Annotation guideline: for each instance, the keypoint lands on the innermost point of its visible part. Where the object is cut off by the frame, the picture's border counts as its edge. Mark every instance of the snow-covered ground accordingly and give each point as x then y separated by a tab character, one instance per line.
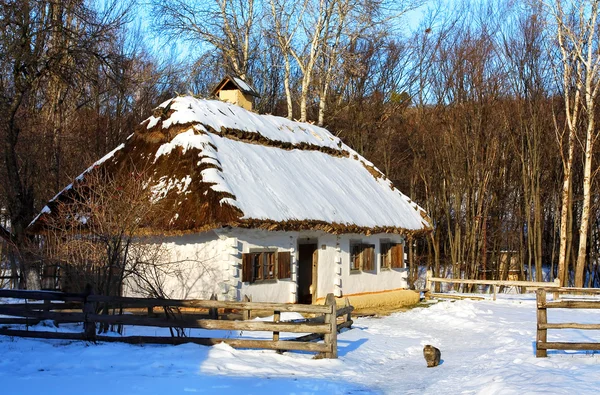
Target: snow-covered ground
487	348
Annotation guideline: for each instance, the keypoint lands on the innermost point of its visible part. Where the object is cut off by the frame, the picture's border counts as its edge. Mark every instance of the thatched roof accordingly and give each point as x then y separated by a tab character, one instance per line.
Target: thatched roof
212	164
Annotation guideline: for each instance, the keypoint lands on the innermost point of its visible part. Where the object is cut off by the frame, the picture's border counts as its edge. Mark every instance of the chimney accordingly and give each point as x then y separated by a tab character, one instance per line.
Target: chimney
236	91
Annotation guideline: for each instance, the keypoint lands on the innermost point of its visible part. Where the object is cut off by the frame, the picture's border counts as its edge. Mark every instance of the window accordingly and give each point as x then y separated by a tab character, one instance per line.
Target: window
362	256
392	255
266	265
355	251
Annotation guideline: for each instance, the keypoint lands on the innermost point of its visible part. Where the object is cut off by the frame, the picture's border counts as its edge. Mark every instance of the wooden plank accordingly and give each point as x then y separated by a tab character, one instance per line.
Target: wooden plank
46	306
210	324
344	310
345	324
41	295
236	343
592	291
455	296
570	325
496	282
44	315
569	346
42	335
573	304
19	321
261	306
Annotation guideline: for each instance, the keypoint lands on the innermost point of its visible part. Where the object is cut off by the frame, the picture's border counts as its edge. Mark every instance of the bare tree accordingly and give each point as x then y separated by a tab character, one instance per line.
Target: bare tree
227	26
45	46
578	42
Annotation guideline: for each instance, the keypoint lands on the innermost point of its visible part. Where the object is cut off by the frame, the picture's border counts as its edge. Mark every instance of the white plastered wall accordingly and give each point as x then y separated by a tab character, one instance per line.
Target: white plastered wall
192	266
198	265
334	267
249	240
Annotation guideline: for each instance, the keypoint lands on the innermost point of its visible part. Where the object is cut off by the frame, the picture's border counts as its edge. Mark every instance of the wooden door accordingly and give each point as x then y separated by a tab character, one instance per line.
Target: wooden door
306	272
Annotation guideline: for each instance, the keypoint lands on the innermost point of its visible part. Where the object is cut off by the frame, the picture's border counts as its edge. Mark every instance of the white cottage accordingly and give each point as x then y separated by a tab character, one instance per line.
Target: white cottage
262	206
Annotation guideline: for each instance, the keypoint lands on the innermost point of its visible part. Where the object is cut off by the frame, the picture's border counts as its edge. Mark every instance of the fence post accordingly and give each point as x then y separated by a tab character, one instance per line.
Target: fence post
428	283
494	290
276	318
246	314
542	319
556	294
331	319
89	326
213	313
349	315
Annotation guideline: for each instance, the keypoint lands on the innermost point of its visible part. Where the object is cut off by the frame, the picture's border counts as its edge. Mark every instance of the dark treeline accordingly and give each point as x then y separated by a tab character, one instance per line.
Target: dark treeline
482	112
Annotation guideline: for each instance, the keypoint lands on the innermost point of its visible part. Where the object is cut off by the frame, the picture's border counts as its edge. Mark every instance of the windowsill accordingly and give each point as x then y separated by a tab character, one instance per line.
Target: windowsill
355	271
385	269
269	281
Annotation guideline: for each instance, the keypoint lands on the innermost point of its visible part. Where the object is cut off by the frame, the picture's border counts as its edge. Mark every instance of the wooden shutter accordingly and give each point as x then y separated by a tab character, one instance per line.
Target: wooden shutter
368	259
284	263
397	256
247	268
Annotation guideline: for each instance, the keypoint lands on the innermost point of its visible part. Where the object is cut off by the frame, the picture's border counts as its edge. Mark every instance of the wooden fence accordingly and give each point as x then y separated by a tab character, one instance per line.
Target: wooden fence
177	315
542	344
430	280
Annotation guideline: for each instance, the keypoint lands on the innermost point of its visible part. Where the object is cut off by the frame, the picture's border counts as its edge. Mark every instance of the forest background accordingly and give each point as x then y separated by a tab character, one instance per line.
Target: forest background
483	111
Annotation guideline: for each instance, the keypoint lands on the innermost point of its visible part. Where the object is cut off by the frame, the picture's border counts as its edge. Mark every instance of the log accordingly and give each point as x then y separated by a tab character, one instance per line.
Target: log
210	324
592	291
496	282
44	315
41	295
570	325
42	335
568	346
345	324
573	304
46	306
236	343
455	296
308	338
261	306
19	321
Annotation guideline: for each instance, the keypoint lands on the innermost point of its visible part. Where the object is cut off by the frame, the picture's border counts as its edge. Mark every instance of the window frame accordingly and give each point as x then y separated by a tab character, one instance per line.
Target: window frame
264	265
385	262
355	258
391	258
358	258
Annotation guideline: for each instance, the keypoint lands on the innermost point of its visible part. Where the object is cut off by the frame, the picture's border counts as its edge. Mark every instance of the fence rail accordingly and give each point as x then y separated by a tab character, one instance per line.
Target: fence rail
81	308
430	280
542	345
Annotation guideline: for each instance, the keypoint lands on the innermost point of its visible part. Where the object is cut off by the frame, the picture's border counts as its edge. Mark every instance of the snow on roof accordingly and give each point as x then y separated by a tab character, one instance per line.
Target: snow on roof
47	210
217	115
243	85
280	185
253	169
239	83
